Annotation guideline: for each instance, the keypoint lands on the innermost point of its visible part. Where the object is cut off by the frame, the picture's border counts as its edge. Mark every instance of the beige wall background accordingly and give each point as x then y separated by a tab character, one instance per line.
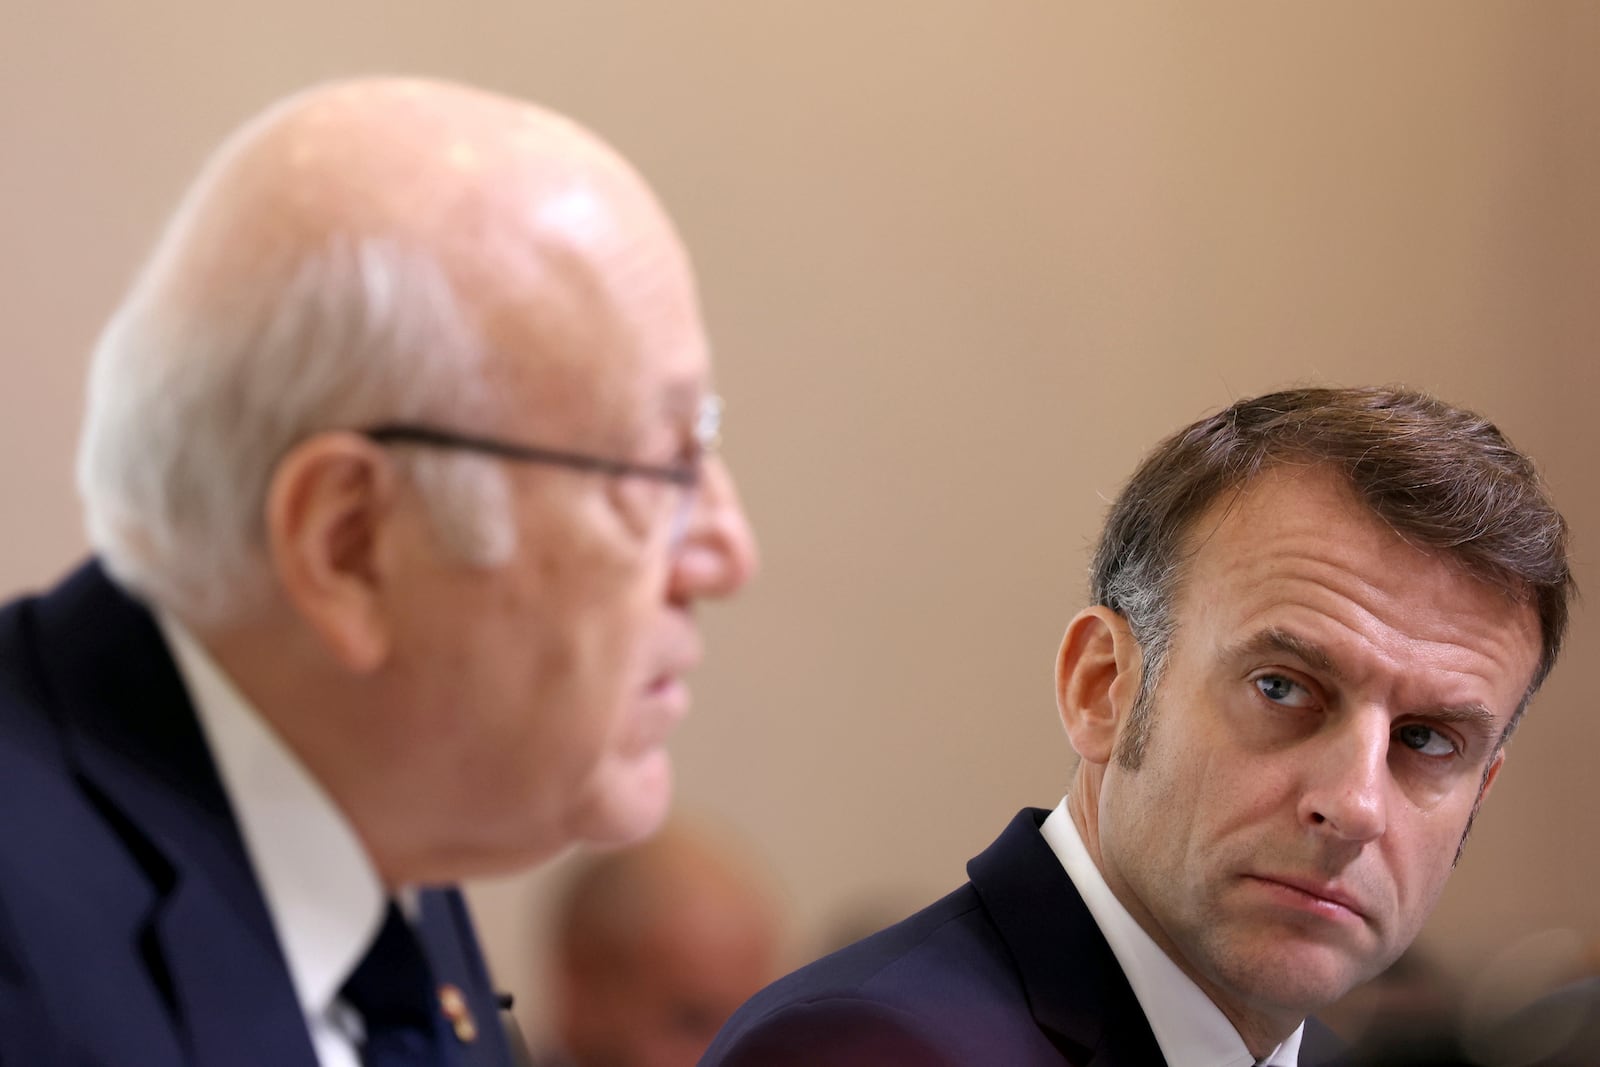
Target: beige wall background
964	261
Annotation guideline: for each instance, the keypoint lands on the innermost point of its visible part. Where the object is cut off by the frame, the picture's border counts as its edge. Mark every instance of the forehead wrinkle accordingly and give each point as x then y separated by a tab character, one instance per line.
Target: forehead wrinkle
1384	599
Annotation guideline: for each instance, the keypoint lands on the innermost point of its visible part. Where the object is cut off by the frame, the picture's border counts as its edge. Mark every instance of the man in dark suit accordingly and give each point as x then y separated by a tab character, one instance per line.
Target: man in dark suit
1318	616
396	466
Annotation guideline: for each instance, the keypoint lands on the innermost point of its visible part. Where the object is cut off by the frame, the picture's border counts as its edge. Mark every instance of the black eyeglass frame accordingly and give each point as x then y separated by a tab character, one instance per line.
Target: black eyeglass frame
707	435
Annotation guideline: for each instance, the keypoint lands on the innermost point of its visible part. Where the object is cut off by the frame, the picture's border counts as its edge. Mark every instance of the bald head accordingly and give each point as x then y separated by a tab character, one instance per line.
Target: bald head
502	194
406	419
656	946
368	250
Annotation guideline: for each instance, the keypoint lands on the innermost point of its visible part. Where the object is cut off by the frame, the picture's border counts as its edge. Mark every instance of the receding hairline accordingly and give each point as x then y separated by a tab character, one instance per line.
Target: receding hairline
1335	479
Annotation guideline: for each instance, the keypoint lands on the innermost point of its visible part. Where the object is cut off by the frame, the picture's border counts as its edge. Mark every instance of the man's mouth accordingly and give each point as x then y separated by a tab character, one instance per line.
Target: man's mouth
1313	895
669	686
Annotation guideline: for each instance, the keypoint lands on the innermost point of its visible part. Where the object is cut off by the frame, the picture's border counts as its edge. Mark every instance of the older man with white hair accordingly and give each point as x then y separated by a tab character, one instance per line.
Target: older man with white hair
397	468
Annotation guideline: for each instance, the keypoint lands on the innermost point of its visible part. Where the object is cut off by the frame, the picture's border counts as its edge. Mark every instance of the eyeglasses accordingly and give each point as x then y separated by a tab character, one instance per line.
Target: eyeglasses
685	473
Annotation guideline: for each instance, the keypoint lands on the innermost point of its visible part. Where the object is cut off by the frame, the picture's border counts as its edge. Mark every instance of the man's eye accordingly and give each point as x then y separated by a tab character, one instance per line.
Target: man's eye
1281	690
1425	740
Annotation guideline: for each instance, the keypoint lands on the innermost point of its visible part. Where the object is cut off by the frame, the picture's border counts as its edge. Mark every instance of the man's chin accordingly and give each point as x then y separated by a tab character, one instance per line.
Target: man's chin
633	800
1302	981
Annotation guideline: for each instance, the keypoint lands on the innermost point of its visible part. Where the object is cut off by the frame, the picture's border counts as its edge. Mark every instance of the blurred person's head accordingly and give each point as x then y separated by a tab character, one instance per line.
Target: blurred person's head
408	418
655	946
1406	1012
1319	615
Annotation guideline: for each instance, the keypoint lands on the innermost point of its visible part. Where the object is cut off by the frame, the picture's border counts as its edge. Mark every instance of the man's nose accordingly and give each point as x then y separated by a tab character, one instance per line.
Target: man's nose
1346	794
718	553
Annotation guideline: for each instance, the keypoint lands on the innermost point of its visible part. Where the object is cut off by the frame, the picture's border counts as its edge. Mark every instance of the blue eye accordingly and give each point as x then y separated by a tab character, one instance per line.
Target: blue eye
1424	740
1280	690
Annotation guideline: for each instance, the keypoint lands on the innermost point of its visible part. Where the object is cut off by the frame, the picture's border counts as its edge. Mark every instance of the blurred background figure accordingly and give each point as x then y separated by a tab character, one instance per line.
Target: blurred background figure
1406	1015
1559	1030
1536	1005
653	947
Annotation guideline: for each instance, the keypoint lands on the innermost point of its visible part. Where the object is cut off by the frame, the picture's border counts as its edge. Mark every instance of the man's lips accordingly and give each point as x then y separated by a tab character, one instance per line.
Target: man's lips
663	706
663	699
674	669
668	686
1311	894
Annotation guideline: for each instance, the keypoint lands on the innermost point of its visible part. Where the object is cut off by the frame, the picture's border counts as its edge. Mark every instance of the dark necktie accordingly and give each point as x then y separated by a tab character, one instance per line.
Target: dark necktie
392	988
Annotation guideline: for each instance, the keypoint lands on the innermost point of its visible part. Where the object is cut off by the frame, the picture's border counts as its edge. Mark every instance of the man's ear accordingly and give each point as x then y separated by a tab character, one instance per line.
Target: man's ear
327	504
1097	680
1490	773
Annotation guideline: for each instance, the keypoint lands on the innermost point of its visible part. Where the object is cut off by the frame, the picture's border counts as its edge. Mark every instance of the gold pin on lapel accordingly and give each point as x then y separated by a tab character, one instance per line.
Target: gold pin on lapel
454	1005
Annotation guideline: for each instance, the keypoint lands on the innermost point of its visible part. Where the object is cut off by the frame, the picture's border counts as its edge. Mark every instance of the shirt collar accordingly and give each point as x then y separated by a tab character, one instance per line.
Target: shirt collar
322	892
1191	1030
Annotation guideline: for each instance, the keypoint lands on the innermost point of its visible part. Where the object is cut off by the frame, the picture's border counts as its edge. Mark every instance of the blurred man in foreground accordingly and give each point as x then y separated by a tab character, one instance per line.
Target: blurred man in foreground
1318	616
396	469
655	946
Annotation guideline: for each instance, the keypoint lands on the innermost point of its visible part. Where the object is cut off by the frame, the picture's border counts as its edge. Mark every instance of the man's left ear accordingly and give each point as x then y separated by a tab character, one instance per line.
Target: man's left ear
1491	774
327	503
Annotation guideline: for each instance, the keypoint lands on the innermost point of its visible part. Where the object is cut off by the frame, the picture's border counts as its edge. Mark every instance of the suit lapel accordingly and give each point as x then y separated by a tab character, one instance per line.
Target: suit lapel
1075	987
447	936
131	733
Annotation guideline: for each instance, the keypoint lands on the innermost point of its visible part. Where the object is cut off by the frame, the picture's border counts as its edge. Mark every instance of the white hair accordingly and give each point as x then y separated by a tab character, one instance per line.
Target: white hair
194	399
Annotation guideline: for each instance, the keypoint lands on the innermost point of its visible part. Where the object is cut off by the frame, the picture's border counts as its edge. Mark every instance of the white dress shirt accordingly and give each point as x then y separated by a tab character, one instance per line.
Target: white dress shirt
324	896
1191	1030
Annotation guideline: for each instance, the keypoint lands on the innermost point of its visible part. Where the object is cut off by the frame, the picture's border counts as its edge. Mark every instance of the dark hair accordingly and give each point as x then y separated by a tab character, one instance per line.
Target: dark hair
1441	477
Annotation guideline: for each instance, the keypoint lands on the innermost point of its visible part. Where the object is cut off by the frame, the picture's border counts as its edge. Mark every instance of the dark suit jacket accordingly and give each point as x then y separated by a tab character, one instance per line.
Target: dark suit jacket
132	930
1009	969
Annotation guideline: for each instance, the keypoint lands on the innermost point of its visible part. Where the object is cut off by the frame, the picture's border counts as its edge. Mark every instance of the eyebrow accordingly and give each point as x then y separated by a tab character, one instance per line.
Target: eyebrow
1273	639
1475	717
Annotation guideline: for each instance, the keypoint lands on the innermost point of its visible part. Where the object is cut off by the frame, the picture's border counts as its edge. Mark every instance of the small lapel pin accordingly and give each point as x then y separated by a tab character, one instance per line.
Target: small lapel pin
454	1005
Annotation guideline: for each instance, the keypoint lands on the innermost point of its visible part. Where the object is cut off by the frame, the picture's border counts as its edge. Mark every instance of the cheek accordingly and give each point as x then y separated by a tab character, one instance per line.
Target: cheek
610	609
589	636
1195	810
1174	790
1146	828
1420	855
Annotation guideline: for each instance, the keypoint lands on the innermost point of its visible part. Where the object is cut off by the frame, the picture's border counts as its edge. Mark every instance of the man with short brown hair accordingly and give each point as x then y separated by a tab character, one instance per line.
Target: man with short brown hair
1318	617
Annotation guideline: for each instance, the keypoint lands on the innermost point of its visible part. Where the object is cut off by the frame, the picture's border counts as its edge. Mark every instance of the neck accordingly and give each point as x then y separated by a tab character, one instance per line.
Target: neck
1083	804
